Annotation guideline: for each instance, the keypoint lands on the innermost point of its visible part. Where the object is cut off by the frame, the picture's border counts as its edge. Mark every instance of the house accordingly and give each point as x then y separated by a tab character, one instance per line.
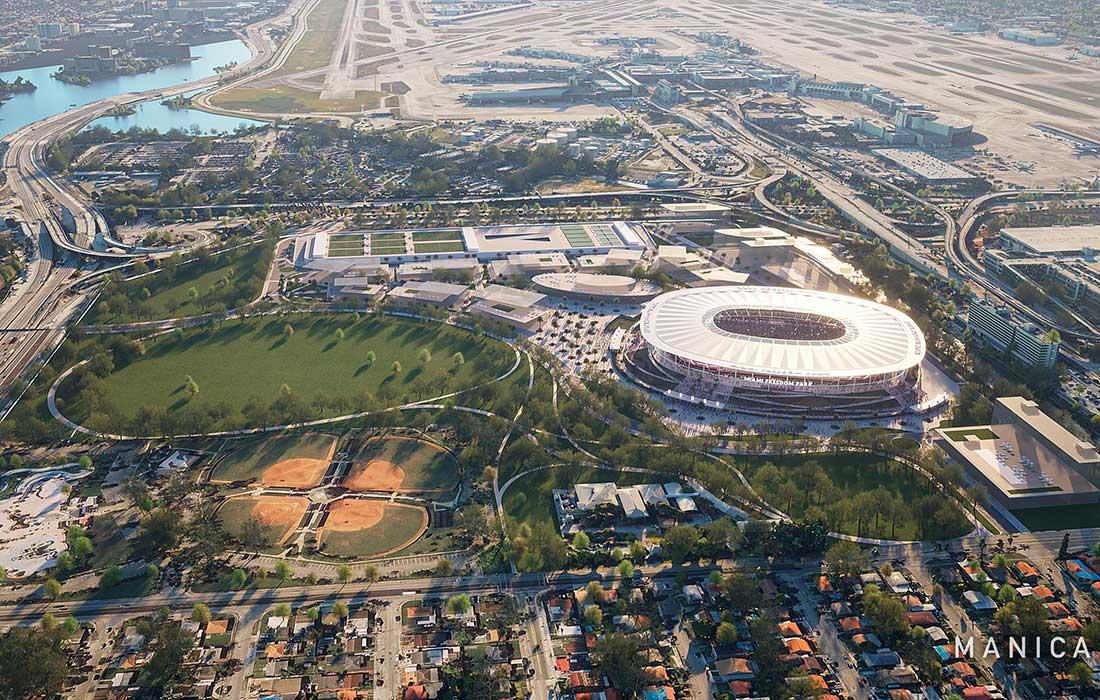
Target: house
979	602
883	658
734	668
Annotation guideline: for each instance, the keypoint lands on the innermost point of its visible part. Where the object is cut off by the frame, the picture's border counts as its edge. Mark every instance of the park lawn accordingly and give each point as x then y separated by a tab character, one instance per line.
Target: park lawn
426	466
390	237
113	544
251	456
173	299
530	498
855	473
1060	517
251	359
401	525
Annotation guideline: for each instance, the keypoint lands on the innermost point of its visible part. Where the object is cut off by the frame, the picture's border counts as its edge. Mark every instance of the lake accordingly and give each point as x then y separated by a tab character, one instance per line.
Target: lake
54	96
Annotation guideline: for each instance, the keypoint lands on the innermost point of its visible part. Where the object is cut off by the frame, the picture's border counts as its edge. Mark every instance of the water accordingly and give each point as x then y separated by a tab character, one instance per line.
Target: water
154	115
54	96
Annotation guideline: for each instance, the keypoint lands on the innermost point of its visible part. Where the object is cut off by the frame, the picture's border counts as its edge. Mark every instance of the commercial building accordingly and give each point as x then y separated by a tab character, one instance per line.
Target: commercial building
997	326
771	256
1031	36
437	294
1052	240
1025	458
511	306
597	287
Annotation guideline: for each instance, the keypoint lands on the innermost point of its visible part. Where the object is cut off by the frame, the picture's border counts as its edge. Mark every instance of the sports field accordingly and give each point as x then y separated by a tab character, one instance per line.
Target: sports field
258	360
359	529
297	461
280	514
395	463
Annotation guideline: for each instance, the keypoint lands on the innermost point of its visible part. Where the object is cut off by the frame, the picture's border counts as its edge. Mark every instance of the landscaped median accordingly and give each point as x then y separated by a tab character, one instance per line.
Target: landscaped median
274	370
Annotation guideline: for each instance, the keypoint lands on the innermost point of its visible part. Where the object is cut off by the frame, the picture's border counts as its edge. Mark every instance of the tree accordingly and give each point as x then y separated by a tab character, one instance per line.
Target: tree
1081	674
845	558
340	334
51	588
340	609
159	531
111	577
619	658
581	541
459	604
200	613
282	571
443	567
626	569
370	573
457	360
424	356
69	626
281	610
254	535
395	368
288	330
165	669
680	542
369	358
726	635
32	663
344	574
152	571
594	592
887	615
238	578
593	615
722	534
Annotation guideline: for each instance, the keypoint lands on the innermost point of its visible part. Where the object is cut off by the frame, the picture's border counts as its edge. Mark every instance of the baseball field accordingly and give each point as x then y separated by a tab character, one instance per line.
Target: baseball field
295	461
279	514
359	529
403	464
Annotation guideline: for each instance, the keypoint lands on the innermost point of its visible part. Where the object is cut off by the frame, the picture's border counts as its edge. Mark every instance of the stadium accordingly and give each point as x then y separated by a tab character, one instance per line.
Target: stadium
779	352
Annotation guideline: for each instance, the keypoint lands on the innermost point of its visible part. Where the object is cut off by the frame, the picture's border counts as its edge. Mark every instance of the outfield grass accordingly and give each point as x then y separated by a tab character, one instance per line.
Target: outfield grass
171	296
530	499
1060	517
237	511
400	525
252	360
426	466
250	457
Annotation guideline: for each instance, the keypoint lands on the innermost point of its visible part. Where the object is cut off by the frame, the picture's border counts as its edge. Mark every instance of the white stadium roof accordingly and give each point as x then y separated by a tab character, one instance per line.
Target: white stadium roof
814	335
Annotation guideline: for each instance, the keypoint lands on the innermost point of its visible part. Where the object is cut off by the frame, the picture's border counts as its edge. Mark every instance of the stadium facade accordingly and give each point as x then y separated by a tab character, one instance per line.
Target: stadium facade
779	352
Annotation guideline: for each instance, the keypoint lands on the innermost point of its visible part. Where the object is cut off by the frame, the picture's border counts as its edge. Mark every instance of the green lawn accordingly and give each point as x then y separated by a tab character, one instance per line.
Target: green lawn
439	247
391	237
251	456
964	434
400	524
249	362
1060	517
450	234
230	279
530	499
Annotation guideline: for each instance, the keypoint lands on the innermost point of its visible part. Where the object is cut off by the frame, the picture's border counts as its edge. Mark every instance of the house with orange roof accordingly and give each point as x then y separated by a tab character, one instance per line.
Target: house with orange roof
797	645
